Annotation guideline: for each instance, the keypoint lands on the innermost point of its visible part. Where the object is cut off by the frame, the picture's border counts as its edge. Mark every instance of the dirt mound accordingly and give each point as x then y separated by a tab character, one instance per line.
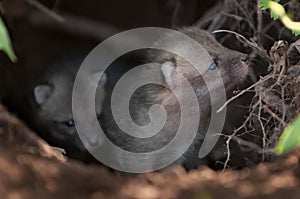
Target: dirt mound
29	168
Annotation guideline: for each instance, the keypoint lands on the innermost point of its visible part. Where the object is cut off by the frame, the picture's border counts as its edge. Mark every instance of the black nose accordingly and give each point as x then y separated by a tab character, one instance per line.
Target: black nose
244	58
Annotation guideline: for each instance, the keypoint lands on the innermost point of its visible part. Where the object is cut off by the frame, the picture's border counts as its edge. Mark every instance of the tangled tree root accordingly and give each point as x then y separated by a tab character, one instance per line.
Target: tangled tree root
276	102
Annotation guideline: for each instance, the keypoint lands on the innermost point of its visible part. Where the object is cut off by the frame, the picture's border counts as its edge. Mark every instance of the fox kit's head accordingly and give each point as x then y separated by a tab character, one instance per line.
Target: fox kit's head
52	102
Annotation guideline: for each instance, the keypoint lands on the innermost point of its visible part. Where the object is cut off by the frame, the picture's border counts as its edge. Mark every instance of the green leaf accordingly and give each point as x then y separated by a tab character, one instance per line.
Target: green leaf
296	32
274	16
290	137
264	4
5	43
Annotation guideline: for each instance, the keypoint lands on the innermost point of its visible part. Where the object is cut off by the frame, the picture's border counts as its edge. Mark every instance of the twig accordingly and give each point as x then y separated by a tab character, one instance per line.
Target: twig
246	14
259	23
217	22
262	125
176	14
251	44
210	14
76	25
230	137
294	68
56	4
252	145
241	93
295	44
45	10
1	8
236	17
266	108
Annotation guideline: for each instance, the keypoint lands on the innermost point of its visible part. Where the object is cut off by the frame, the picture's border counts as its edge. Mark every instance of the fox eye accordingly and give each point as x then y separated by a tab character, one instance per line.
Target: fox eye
213	66
69	123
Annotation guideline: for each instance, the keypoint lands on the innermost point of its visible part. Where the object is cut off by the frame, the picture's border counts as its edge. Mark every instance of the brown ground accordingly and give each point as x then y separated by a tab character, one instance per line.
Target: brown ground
29	168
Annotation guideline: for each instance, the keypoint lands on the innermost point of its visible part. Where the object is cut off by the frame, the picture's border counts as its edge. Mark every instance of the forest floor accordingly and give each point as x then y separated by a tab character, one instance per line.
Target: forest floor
29	168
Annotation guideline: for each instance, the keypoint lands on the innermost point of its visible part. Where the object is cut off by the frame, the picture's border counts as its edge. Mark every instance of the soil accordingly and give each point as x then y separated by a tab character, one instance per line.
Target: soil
29	168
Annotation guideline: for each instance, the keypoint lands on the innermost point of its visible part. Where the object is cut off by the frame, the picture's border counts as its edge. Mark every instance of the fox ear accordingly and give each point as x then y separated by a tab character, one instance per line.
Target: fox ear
169	73
96	75
41	93
100	93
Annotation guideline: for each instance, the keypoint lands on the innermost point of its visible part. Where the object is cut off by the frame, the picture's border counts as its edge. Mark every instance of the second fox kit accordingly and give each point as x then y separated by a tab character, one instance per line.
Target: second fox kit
51	104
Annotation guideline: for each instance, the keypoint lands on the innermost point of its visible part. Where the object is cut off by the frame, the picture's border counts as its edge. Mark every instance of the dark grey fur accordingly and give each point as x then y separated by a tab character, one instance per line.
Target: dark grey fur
51	104
233	67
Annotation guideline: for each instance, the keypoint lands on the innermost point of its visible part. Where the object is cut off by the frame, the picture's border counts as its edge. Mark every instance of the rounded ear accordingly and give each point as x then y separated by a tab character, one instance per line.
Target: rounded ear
41	93
168	72
100	93
103	79
94	76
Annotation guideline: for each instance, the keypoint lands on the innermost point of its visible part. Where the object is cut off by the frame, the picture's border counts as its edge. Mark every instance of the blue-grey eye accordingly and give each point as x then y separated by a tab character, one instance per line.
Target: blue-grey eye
70	123
213	66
